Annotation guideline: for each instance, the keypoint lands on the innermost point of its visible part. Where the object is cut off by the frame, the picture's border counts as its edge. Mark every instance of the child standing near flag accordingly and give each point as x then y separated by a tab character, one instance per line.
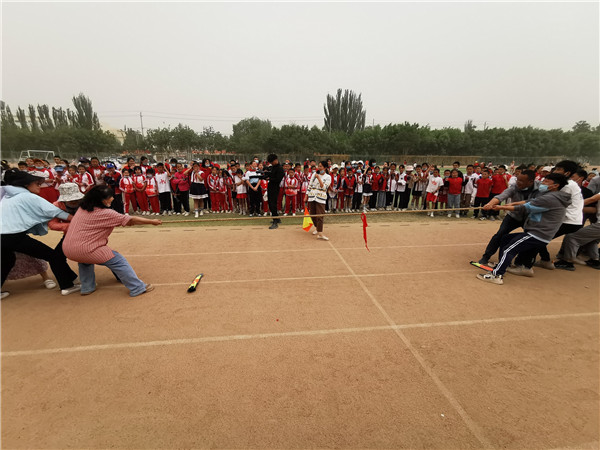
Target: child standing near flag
291	192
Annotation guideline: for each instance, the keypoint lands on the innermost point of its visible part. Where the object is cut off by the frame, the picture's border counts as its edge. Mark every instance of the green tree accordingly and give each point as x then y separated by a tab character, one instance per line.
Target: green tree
582	127
84	115
250	135
159	139
344	112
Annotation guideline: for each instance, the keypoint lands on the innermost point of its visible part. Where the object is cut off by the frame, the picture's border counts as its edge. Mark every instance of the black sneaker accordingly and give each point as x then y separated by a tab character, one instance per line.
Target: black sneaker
273	226
484	261
593	263
564	265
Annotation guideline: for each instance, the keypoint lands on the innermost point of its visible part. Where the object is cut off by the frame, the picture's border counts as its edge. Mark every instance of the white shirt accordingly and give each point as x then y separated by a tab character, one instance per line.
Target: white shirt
470	185
435	183
240	189
162	180
314	184
574	213
401	183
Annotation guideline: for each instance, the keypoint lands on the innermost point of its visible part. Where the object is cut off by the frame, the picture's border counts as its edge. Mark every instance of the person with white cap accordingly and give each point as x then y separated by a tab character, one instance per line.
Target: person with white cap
24	212
68	201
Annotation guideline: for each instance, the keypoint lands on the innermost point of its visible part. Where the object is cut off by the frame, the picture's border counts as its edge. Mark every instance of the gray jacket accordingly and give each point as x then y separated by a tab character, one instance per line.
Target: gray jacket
517	195
546	214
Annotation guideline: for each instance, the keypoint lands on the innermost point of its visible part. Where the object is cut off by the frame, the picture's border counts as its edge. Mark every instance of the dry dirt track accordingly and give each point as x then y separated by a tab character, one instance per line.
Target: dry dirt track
291	342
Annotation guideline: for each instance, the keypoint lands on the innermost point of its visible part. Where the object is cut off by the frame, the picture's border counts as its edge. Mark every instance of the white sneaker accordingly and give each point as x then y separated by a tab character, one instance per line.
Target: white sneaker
482	218
521	271
490	278
186	213
201	213
293	214
283	215
4	294
196	214
266	214
323	237
549	265
50	284
315	232
457	216
75	288
164	213
170	213
450	215
178	214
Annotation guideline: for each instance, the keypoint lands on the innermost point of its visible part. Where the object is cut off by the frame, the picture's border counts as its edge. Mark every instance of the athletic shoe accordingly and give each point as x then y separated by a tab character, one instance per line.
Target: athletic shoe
88	293
457	216
322	237
493	218
70	290
482	218
264	214
164	213
594	264
149	288
521	271
178	214
273	226
315	231
283	215
293	214
50	284
490	278
4	294
581	262
544	264
450	215
564	265
186	213
250	215
484	261
201	213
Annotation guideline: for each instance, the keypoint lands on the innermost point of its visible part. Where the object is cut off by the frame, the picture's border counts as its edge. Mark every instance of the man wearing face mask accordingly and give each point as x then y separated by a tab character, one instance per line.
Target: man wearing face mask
275	174
524	189
546	213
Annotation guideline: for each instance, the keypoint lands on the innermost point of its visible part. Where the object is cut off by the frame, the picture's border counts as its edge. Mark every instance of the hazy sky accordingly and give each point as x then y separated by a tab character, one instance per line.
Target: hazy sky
212	64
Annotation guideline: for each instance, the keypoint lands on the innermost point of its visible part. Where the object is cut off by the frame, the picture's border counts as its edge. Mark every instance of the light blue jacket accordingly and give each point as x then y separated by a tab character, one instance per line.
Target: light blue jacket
22	211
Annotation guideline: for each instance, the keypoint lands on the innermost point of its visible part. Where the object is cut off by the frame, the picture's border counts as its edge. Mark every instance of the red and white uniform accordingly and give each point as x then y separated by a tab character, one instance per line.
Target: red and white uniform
97	174
264	184
126	185
85	181
213	187
152	194
291	186
140	196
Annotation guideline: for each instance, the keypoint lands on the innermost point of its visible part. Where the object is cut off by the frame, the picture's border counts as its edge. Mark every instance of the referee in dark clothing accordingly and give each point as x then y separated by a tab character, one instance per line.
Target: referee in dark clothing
274	175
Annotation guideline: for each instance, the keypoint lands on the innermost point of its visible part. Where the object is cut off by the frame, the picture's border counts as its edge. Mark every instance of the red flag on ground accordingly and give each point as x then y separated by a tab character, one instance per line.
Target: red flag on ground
365	225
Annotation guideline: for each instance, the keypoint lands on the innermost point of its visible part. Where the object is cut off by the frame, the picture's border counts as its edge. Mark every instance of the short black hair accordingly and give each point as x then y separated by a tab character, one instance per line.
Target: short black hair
470	165
568	166
95	157
150	171
530	174
21	163
136	168
272	157
457	163
173	161
160	164
582	173
558	178
95	196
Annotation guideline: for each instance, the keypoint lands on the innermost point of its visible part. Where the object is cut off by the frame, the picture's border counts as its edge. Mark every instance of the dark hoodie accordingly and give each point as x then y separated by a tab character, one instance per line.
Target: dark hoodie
546	214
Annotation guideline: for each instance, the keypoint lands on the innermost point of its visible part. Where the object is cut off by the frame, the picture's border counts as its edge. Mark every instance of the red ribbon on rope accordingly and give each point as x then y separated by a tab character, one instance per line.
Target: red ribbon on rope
365	225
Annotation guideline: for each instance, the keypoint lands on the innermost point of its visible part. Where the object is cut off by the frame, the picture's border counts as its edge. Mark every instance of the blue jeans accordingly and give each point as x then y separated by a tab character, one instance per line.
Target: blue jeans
120	267
453	201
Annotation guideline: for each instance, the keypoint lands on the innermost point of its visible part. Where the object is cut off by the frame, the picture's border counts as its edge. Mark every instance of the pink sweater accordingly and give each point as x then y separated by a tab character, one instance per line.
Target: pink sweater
87	239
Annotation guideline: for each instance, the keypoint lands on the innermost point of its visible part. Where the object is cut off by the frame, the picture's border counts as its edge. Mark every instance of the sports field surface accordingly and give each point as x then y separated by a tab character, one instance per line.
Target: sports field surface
290	342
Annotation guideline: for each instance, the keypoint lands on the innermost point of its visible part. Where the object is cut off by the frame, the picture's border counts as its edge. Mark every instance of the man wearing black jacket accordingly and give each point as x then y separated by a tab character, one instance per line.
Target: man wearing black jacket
275	175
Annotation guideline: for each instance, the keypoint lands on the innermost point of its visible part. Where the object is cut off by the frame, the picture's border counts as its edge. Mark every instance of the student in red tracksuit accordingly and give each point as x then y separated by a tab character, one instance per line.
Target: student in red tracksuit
499	185
482	197
152	191
264	184
229	187
126	185
349	182
291	192
213	188
222	191
139	184
299	177
375	187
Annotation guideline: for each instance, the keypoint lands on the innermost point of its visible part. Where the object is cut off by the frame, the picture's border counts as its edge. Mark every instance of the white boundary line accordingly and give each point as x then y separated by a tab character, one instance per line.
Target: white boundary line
317	277
299	250
470	423
242	337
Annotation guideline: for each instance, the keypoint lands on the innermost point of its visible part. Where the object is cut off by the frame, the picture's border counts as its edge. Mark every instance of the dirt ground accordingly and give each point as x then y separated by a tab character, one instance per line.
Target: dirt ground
290	342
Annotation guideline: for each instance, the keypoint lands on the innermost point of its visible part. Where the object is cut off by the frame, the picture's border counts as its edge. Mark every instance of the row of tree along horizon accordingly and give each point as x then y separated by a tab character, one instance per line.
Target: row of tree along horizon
77	132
